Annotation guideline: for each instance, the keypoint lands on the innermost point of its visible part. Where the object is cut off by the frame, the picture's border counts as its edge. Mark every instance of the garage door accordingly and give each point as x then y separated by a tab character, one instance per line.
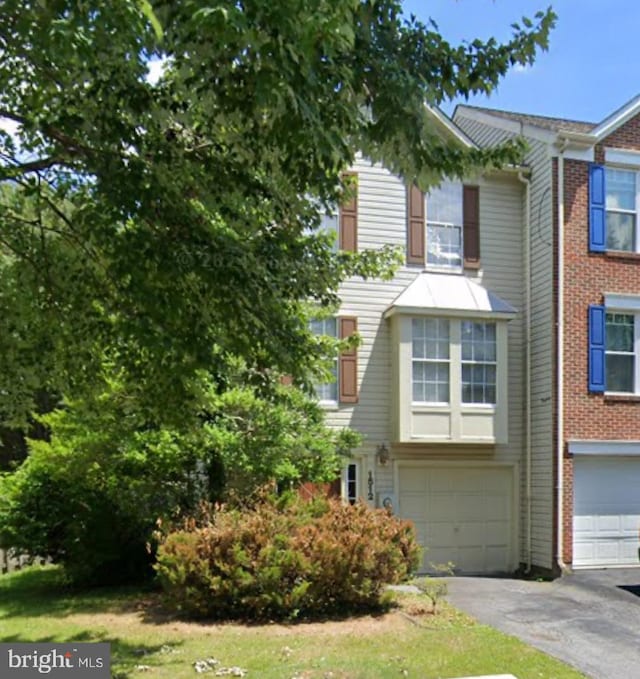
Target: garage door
606	511
462	515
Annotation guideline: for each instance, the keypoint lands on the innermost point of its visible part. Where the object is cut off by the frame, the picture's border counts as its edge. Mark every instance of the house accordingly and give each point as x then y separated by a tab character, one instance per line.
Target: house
437	386
498	380
582	212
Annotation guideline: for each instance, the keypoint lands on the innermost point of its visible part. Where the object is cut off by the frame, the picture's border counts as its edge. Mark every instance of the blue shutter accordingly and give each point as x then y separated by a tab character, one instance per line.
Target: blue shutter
597	343
597	197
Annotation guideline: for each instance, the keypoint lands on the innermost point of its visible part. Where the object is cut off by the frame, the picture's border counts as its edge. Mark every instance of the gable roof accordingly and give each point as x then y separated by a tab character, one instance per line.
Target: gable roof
618	118
544	122
450	127
595	131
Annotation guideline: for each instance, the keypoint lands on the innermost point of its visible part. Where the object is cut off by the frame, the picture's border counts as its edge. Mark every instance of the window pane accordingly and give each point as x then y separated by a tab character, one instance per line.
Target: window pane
443	393
444	245
619	332
418	391
620	231
466	392
621	189
620	369
444	203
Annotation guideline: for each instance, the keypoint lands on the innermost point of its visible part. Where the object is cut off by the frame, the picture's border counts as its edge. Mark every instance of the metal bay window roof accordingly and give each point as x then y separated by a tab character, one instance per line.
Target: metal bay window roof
449	294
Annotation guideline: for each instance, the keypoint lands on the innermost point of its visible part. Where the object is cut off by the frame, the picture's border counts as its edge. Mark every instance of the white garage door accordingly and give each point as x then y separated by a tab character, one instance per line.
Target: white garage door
462	515
606	511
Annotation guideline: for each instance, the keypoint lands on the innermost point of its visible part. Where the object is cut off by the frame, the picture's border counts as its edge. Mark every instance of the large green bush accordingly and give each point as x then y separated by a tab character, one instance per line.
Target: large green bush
89	498
284	559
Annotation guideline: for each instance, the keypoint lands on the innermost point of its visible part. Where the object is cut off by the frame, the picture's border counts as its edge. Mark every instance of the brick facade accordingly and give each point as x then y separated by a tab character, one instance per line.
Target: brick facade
588	276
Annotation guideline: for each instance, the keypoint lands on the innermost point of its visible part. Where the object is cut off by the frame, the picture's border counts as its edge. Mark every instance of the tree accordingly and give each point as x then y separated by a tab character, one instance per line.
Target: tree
159	251
167	227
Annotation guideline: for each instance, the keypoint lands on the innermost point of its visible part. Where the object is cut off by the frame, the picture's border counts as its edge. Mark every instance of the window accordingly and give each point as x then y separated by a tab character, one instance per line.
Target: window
621	209
327	391
444	226
620	353
430	367
431	360
352	483
329	224
478	342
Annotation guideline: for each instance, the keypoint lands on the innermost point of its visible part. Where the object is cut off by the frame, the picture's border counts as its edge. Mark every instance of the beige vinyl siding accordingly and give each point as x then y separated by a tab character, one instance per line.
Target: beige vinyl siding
542	354
382	220
538	159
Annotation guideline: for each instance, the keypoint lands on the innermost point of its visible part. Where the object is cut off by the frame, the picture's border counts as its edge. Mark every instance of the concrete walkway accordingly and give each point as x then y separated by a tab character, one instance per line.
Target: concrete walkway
584	619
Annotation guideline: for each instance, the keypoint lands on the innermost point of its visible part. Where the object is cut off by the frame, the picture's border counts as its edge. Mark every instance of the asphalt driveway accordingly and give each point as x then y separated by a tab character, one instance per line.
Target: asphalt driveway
585	619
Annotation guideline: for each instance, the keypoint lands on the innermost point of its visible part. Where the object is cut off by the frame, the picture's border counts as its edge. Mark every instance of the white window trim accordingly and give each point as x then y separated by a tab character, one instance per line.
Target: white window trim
444	404
623	211
626	304
635	353
494	363
429	266
622	157
332	404
455	368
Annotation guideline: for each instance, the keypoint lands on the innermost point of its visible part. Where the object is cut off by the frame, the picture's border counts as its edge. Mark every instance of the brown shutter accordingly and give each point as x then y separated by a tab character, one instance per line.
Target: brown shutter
348	363
471	226
349	215
416	226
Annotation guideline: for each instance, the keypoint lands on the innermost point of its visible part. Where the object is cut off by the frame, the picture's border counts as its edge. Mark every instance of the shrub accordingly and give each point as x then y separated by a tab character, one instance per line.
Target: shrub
284	559
89	498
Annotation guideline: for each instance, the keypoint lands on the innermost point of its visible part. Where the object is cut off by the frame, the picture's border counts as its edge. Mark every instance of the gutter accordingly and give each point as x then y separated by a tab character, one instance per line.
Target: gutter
560	360
528	417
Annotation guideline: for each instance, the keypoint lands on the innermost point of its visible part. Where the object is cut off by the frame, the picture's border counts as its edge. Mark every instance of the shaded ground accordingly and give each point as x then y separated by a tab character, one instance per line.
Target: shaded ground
406	641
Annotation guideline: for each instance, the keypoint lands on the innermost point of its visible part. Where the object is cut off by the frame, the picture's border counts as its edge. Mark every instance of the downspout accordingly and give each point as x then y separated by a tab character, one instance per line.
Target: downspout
560	360
527	322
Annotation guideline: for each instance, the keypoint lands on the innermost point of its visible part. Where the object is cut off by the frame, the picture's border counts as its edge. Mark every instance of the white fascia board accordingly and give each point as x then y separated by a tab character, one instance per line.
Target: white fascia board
618	118
622	157
451	127
622	302
587	154
448	313
594	447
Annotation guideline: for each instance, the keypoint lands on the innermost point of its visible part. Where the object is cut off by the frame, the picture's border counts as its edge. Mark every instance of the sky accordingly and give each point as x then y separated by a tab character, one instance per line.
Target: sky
592	66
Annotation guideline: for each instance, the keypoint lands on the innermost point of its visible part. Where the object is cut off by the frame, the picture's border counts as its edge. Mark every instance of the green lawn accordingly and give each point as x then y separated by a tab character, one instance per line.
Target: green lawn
35	606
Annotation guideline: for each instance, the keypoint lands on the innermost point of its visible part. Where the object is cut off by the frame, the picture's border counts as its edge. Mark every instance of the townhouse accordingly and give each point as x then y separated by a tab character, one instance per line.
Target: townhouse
585	268
497	385
437	385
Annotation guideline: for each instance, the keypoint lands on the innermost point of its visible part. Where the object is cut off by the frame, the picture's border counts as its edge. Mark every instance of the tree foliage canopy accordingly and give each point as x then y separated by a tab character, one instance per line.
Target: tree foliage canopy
166	226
